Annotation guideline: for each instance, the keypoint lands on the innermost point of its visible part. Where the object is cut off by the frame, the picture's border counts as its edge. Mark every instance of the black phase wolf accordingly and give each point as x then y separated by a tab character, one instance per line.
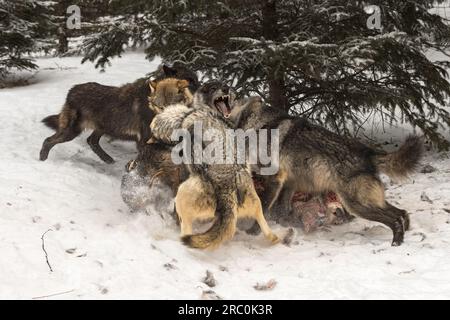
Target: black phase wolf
119	112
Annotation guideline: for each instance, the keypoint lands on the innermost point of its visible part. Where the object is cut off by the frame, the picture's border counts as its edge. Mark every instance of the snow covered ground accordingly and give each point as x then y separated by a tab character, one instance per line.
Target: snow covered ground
97	249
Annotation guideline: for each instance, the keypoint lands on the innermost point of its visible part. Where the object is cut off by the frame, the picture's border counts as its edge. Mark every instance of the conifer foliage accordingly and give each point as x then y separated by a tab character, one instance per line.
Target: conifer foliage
24	25
316	58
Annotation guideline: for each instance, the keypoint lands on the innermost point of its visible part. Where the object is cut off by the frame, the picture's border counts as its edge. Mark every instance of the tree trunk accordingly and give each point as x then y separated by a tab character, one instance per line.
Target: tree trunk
63	43
275	75
277	91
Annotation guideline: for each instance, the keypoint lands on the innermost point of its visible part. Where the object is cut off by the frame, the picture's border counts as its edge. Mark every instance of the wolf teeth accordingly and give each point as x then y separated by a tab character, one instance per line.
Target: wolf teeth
222	98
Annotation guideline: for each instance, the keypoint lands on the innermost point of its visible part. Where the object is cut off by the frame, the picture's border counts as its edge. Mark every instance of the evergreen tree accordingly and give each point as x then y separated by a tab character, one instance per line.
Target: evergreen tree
60	36
317	58
22	31
59	31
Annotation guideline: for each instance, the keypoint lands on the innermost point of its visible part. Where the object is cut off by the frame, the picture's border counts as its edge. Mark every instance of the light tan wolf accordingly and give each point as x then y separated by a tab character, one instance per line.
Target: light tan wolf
196	200
223	191
167	92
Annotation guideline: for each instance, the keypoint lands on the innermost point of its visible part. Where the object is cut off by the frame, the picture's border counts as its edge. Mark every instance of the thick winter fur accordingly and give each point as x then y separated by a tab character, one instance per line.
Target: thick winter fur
201	199
225	191
178	71
167	92
205	106
119	112
154	160
314	159
403	162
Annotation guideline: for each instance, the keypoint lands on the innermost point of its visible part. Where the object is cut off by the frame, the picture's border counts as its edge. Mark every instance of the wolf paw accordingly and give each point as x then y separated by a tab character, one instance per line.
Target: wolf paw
399	232
274	239
43	155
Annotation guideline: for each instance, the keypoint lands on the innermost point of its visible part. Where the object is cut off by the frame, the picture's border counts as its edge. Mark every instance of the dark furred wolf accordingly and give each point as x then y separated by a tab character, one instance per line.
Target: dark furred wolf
223	191
119	112
314	159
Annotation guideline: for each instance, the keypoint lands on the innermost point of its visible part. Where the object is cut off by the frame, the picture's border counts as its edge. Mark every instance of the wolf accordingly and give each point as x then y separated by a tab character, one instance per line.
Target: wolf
167	92
154	160
152	163
315	160
119	112
179	71
223	191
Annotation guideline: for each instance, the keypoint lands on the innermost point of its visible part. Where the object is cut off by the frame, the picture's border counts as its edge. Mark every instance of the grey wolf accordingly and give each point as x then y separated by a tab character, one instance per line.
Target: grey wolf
223	191
316	160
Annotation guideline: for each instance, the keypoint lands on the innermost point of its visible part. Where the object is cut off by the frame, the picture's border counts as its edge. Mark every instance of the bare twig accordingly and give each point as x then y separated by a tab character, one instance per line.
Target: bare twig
45	251
52	295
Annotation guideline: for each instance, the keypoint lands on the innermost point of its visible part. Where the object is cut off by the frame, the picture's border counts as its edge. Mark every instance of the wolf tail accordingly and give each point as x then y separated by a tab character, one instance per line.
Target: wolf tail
401	163
223	228
52	121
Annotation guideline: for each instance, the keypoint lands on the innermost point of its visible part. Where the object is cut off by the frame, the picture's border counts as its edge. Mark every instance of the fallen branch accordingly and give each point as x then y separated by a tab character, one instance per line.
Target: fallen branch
45	251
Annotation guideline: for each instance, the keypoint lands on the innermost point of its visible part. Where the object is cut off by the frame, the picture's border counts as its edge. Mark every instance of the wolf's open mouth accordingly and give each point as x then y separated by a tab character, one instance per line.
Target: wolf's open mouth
222	104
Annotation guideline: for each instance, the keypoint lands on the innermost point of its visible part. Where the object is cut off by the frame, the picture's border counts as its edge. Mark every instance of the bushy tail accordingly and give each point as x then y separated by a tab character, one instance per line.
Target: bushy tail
399	164
223	228
52	121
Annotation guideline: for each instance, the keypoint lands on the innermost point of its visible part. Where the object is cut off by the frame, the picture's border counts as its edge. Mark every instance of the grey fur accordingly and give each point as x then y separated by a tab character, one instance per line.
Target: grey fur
314	159
231	183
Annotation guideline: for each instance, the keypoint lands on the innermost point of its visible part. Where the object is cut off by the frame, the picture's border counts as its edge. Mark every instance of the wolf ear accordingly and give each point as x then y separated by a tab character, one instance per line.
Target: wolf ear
152	84
182	84
168	71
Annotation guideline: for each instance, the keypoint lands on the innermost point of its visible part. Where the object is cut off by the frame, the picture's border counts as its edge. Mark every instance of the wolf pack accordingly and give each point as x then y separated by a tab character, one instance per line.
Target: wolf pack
312	158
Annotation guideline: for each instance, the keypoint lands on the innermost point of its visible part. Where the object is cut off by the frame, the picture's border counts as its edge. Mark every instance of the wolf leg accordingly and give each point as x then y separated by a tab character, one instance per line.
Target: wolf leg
93	141
285	199
400	212
61	136
386	215
274	184
182	210
184	218
256	208
186	226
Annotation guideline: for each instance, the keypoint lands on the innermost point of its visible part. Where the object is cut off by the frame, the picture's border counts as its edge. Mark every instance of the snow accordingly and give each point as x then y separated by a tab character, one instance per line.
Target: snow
99	250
